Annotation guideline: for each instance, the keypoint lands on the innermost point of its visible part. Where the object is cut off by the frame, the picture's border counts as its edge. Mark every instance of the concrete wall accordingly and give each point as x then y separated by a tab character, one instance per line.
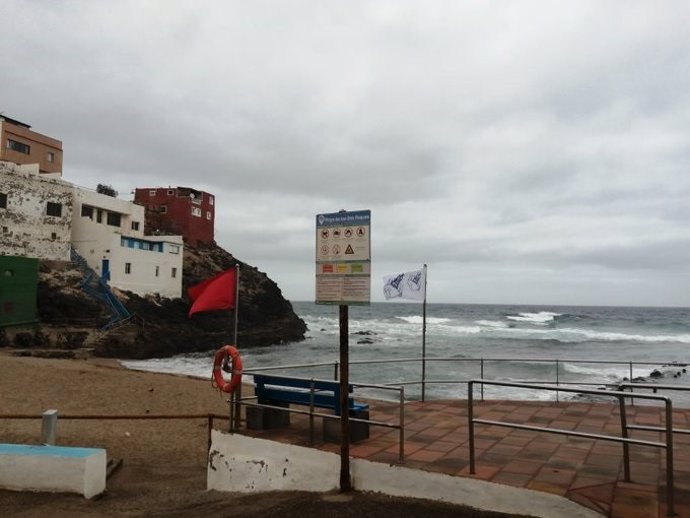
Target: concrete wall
53	468
247	464
26	229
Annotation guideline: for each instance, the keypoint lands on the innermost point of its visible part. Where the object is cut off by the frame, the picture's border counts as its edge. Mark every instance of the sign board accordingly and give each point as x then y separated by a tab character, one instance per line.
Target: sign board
343	258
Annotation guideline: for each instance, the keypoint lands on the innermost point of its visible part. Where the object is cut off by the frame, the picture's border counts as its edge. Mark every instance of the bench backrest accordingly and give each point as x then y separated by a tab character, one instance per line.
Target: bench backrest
269	388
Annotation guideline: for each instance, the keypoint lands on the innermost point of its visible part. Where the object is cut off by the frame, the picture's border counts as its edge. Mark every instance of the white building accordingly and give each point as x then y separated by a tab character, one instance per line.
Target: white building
109	234
35	213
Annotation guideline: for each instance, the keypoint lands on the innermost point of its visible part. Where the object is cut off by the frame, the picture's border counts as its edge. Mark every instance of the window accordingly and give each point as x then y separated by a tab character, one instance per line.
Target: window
99	216
170	192
128	268
164	209
50	157
54	209
19	147
87	212
113	219
208	215
135	225
210	200
152	192
196	211
174	249
53	236
3	200
173	273
158	270
5	230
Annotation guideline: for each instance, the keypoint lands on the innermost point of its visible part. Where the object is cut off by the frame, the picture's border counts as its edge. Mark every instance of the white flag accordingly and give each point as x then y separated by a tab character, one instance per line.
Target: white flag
408	285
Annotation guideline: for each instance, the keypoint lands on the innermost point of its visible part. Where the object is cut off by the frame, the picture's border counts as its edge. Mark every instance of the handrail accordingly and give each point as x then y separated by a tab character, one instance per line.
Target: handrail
625	439
556	362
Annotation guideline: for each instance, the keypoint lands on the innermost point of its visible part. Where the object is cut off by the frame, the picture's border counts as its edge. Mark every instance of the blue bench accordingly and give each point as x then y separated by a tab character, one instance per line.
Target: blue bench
282	391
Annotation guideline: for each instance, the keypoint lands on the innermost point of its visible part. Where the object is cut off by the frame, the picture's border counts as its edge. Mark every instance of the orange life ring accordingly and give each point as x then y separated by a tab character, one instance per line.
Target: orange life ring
220	361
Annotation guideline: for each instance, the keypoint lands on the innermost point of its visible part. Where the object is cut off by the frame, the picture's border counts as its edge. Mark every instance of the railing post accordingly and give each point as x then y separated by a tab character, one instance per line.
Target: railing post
481	375
335	371
311	412
624	433
632	400
557	379
669	458
402	425
470	424
238	407
210	427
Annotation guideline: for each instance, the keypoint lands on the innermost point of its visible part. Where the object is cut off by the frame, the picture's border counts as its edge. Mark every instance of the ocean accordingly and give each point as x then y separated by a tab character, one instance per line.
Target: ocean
466	341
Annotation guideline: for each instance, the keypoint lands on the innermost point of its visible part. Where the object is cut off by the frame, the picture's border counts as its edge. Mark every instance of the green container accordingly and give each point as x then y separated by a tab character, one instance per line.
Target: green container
18	289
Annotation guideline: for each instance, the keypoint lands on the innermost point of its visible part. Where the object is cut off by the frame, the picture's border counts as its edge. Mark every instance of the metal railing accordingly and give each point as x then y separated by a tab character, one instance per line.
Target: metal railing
625	439
246	402
484	372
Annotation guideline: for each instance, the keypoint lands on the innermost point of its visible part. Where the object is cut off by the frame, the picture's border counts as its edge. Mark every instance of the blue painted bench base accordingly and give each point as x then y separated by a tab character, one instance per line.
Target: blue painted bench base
281	391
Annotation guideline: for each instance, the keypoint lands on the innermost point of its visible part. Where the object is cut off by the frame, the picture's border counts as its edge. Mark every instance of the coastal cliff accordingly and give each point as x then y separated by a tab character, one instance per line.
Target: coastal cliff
71	321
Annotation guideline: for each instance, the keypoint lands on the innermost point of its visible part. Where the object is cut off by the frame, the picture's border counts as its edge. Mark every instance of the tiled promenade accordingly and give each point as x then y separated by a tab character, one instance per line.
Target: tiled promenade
586	471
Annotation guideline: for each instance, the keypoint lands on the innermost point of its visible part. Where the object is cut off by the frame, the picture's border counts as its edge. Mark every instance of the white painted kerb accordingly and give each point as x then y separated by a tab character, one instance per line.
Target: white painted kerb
53	468
246	464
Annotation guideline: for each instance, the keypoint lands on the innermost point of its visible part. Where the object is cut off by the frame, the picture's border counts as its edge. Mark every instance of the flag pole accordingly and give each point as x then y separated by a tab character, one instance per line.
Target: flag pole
424	338
238	393
237	301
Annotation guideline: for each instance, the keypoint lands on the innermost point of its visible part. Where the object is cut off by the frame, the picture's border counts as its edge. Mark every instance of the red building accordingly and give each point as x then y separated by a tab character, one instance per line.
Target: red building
178	211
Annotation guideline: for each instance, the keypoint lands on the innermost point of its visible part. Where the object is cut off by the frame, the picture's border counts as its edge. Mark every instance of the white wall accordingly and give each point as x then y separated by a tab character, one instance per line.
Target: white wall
244	464
97	241
25	228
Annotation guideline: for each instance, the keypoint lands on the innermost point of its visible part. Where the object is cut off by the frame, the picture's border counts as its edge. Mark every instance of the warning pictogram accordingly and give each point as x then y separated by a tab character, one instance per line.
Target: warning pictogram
349	250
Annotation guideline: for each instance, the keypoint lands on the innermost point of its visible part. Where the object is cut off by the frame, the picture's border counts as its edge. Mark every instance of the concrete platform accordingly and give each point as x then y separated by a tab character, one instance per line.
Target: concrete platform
586	471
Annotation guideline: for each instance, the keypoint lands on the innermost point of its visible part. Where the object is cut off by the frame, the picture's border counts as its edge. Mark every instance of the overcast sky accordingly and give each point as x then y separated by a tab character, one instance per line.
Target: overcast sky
528	152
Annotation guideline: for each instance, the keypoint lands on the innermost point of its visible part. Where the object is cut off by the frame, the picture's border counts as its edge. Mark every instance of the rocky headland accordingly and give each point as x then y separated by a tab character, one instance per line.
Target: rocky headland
70	322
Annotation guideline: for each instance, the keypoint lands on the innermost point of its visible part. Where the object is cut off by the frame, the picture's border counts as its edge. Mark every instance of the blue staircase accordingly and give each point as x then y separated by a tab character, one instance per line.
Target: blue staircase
97	288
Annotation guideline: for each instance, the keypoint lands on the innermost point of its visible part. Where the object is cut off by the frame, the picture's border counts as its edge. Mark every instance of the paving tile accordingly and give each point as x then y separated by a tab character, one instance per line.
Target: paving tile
587	471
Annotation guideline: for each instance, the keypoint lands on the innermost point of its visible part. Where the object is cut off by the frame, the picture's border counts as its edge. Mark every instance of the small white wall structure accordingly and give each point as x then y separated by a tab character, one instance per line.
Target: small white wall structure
247	464
109	234
36	221
53	469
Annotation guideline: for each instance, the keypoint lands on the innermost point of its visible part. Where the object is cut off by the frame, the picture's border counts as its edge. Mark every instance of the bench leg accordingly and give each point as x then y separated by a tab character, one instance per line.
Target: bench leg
259	418
358	431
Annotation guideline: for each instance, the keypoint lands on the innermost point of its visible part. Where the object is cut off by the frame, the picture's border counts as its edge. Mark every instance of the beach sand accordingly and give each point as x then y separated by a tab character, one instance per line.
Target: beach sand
163	471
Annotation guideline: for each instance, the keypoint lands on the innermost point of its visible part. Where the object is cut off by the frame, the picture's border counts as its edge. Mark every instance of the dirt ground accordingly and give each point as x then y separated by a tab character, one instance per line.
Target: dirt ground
163	470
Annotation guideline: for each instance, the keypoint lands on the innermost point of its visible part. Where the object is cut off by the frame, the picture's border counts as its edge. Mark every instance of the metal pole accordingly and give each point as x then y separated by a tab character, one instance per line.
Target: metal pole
210	427
481	375
669	458
311	412
557	380
237	302
345	482
424	339
470	425
402	425
624	433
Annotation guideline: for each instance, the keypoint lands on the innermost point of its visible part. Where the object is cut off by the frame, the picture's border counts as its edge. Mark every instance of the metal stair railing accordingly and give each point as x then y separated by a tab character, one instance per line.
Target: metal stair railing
100	291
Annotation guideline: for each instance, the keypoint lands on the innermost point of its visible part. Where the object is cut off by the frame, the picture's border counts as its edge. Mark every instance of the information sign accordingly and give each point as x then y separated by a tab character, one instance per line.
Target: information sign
343	258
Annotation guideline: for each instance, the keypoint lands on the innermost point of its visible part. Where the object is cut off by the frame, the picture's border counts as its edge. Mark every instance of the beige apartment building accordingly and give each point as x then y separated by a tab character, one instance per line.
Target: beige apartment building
21	145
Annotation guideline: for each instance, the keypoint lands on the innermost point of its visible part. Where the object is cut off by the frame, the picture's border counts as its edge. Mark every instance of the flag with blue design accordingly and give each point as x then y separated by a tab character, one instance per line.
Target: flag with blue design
408	285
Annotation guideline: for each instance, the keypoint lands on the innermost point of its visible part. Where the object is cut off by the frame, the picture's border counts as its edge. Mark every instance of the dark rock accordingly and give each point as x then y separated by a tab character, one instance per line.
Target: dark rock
160	327
364	333
656	374
365	341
